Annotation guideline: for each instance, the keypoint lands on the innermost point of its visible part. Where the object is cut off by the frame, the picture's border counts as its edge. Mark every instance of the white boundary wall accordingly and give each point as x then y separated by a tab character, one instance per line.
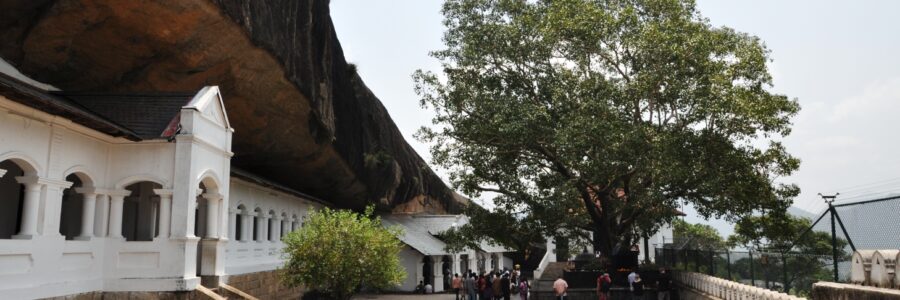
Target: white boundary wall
726	289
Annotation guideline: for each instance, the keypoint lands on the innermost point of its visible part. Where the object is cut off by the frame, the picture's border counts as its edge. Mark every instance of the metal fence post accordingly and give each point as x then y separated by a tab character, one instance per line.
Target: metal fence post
696	255
728	263
752	274
833	243
675	258
786	285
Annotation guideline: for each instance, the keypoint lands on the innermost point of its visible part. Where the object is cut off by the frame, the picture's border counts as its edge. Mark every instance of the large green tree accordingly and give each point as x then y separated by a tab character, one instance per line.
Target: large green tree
336	252
601	115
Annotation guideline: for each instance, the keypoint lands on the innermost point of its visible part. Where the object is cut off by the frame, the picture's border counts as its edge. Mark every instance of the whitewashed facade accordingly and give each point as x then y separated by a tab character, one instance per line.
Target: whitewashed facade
84	211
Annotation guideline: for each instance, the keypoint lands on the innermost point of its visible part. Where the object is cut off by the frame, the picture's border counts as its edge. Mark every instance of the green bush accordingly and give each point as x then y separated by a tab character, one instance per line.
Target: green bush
335	252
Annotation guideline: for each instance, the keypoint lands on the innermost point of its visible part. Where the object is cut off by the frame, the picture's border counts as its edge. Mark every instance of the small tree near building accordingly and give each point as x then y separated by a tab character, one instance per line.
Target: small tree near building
338	251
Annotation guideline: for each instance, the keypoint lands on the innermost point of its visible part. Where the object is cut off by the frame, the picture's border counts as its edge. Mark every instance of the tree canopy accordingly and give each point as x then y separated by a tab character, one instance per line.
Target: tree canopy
697	236
336	252
600	116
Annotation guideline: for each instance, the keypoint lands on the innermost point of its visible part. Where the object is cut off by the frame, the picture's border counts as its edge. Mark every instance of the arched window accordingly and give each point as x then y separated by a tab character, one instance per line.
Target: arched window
294	222
72	208
239	223
257	214
140	213
270	227
12	197
285	224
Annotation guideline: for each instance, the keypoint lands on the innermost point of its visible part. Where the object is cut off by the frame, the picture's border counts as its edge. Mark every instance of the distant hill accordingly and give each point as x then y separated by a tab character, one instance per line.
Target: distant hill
799	212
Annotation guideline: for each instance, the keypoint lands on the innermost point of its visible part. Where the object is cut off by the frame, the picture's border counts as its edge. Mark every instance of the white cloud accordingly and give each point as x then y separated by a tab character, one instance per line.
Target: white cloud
878	98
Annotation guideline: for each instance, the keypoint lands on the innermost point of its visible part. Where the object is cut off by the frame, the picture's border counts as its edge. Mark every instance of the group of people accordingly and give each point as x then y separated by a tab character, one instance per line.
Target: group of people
635	286
490	286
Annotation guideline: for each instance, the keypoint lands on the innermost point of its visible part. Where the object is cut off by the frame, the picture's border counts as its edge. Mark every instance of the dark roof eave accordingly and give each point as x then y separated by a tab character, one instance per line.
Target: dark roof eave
28	95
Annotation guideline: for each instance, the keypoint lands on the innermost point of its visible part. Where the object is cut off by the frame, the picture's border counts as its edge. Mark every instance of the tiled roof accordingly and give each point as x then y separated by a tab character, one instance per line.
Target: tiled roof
433	225
148	115
415	237
37	98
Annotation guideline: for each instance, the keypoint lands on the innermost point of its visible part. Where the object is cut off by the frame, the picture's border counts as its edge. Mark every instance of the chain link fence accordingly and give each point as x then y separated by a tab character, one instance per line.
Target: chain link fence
869	224
792	273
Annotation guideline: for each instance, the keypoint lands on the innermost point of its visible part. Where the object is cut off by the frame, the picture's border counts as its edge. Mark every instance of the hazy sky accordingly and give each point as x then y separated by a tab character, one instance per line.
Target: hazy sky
840	59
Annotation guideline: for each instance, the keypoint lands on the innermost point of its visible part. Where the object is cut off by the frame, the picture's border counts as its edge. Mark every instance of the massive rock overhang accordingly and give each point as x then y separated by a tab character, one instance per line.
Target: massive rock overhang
303	117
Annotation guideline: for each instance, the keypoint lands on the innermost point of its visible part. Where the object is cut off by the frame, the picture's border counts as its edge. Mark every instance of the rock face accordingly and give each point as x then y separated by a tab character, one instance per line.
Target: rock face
303	117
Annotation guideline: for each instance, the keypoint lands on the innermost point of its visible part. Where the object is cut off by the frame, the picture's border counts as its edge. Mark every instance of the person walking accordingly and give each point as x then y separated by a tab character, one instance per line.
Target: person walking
495	284
637	288
561	288
663	285
471	287
487	288
456	284
504	286
523	288
604	284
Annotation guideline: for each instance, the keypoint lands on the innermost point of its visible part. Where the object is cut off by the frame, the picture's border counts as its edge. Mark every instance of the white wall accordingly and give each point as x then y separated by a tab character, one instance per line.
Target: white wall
411	260
247	255
51	148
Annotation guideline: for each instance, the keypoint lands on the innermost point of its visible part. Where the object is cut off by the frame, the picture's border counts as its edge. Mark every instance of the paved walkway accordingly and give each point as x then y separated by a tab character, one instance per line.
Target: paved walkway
405	297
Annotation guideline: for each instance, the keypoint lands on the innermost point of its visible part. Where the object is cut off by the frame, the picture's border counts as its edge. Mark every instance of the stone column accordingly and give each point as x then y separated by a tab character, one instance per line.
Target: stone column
246	227
260	226
437	267
233	218
212	214
455	263
489	262
275	235
101	222
87	213
30	207
165	212
116	204
473	262
500	262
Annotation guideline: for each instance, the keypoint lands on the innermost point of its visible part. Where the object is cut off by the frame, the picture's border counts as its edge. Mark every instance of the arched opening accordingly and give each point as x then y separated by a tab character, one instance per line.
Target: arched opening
257	214
445	270
270	226
285	225
428	270
72	208
201	213
239	223
294	222
12	198
140	213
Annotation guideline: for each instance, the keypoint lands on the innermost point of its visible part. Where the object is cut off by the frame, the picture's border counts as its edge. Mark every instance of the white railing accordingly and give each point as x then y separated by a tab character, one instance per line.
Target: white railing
726	289
548	258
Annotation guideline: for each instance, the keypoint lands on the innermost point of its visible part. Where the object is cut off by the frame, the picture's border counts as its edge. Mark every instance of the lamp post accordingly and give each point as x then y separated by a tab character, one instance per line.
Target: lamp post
829	199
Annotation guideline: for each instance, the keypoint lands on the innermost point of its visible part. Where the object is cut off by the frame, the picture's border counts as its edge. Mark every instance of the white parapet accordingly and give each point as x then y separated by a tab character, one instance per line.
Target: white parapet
726	289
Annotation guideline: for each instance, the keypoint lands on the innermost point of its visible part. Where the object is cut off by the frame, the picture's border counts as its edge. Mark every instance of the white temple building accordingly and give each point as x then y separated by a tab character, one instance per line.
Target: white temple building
119	193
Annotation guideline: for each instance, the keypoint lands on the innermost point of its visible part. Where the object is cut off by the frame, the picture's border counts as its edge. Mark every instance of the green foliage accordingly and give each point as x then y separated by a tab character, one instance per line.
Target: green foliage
698	236
337	251
810	255
378	159
554	107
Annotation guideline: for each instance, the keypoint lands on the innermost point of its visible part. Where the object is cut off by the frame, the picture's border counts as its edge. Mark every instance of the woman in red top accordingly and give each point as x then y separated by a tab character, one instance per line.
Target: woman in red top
604	283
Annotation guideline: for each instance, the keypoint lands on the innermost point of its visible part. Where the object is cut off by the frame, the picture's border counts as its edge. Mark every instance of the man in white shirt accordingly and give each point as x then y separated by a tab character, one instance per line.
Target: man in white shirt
631	277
